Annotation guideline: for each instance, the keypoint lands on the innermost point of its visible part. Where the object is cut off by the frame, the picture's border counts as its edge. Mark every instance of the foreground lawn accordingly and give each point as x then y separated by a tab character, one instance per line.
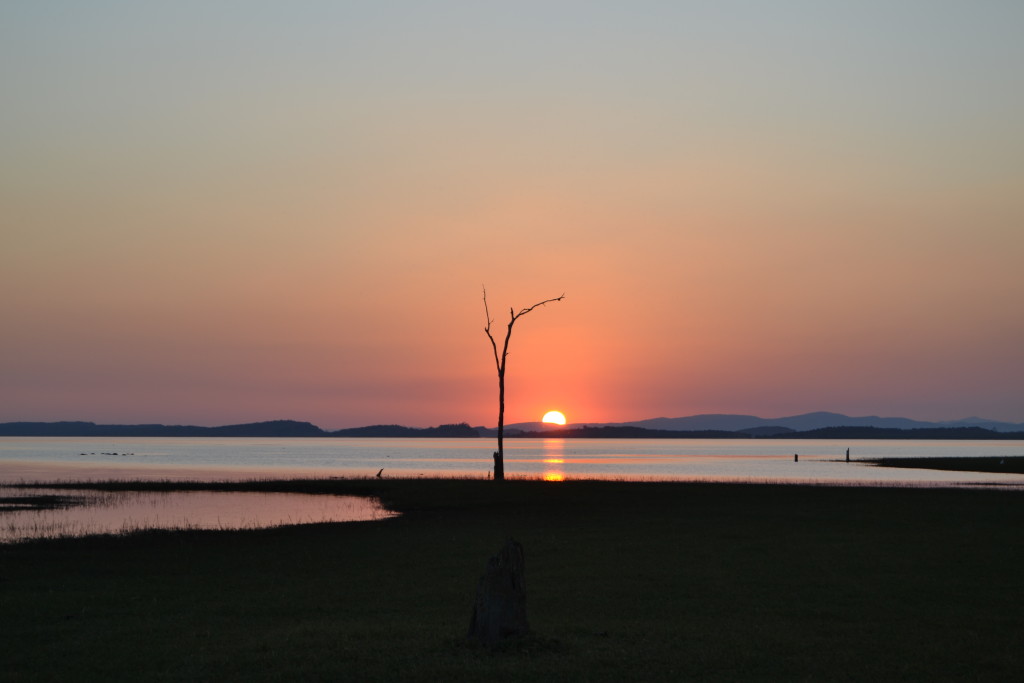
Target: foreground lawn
625	581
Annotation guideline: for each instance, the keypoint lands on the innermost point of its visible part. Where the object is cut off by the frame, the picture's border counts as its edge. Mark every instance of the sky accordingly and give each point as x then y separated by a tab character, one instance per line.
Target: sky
235	211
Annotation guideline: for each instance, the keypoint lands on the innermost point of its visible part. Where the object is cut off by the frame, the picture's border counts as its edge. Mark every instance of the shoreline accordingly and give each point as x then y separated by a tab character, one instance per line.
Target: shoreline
1011	464
274	480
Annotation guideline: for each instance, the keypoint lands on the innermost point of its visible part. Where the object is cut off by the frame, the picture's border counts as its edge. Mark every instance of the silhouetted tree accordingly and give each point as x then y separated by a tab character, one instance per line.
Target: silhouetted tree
499	361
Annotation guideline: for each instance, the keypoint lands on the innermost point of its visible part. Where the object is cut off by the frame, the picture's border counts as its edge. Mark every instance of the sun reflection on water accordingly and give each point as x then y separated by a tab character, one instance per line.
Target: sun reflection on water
554	458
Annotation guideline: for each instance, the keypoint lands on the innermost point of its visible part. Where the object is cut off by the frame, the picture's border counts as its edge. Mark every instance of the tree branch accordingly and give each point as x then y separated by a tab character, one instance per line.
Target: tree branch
487	329
527	310
499	360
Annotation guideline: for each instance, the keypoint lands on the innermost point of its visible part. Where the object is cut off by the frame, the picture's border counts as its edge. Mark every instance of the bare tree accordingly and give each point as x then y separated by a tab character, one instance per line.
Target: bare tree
499	361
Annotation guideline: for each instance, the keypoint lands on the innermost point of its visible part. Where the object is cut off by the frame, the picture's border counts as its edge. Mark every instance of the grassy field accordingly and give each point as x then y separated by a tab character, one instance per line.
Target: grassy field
625	581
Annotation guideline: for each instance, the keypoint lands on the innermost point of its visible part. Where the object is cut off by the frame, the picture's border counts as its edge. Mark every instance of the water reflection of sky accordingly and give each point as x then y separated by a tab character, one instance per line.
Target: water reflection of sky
87	512
757	460
555	460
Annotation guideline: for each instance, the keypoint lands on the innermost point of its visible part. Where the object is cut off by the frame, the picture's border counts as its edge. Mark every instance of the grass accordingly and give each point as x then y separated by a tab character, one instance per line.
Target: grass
625	581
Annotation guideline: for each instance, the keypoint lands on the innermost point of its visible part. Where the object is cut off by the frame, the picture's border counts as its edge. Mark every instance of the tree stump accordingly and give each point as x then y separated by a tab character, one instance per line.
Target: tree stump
500	608
499	466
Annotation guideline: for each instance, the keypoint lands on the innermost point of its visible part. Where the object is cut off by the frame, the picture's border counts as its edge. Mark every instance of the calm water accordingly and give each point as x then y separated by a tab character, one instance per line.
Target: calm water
84	512
37	459
759	460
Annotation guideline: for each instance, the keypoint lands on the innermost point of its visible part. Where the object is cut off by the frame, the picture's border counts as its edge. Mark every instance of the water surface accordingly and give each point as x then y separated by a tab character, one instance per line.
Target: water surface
70	459
56	513
759	460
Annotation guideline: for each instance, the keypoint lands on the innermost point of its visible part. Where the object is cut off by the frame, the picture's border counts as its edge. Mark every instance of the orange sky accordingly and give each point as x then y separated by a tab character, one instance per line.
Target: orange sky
254	211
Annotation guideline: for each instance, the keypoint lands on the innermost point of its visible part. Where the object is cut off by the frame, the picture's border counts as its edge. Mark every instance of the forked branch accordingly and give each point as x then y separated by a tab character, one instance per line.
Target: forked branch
499	361
487	329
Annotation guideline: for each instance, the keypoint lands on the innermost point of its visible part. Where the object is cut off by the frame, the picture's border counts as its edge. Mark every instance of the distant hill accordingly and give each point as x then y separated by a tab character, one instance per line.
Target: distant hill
845	433
767	431
461	430
819	425
625	432
289	428
274	428
924	433
809	421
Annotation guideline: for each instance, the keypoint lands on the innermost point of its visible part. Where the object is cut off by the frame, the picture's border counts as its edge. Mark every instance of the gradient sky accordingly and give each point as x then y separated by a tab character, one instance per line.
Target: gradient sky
223	212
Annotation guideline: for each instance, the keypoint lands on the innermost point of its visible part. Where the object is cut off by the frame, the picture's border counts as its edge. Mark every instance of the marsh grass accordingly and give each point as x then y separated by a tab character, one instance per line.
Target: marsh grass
625	581
40	502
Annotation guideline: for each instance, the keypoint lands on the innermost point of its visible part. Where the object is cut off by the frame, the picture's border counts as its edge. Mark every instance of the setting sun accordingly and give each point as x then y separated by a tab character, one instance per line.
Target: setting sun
554	417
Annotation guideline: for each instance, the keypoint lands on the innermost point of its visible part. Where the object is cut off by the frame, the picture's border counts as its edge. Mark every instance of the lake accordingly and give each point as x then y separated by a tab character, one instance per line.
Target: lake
62	512
755	460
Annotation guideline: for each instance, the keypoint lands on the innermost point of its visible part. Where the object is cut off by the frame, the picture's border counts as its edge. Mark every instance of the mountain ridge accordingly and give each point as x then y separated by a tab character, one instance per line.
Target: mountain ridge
798	423
817	420
742	426
271	428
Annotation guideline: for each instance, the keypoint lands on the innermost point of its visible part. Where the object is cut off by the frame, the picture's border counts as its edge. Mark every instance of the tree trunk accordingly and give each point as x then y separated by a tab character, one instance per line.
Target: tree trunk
499	456
500	608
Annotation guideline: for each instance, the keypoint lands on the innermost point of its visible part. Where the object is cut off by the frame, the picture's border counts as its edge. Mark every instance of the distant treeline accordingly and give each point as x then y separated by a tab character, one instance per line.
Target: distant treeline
923	433
274	428
460	431
625	432
293	429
